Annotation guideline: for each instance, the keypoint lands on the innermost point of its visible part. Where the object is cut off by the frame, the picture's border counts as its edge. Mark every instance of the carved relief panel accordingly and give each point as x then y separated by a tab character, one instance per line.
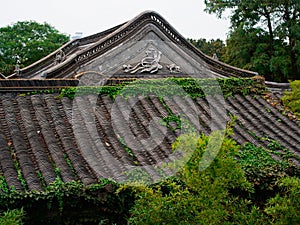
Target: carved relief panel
150	64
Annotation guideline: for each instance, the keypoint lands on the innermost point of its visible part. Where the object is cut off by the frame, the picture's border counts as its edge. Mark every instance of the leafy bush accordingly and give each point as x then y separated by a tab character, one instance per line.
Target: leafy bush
261	169
285	206
12	217
292	99
200	197
68	202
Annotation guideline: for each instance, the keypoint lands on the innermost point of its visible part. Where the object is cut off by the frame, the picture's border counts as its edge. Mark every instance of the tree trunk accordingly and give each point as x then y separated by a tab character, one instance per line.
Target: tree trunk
270	29
290	20
271	36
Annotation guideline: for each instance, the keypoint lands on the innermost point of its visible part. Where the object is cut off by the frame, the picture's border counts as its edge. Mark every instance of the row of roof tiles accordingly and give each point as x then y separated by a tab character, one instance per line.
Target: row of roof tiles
88	138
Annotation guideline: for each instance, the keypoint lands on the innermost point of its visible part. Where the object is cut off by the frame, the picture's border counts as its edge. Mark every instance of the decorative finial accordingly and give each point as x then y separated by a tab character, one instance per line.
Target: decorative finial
17	66
215	57
60	57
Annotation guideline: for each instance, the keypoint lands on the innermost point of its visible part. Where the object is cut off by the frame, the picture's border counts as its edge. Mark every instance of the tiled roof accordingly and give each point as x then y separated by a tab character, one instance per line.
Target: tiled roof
40	133
43	136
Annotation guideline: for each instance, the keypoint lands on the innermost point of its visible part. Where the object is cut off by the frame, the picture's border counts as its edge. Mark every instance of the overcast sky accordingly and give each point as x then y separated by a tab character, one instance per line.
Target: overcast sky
92	16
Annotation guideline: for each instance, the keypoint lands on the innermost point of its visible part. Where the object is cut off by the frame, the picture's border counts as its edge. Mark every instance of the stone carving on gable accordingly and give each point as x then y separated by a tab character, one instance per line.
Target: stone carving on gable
173	68
150	63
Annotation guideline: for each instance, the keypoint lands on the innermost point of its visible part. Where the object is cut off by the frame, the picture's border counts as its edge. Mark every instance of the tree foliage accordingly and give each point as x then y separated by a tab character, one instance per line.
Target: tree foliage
264	37
12	217
285	206
200	197
229	191
211	47
291	99
25	42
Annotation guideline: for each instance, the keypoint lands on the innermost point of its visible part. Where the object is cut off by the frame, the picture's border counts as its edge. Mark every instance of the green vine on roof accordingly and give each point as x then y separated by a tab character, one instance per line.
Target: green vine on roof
128	150
17	167
59	196
192	87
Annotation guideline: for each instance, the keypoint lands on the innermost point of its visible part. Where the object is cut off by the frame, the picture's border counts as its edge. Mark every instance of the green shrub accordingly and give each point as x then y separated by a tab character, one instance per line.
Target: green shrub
261	169
285	206
291	99
68	202
12	217
200	197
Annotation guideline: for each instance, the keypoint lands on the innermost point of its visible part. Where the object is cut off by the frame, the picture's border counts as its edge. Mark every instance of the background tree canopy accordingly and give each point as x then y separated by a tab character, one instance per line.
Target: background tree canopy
211	47
264	36
26	42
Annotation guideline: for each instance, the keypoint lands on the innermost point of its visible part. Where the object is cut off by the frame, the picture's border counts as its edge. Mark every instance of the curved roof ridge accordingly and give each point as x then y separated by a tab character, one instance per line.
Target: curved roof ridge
168	29
185	42
115	35
75	43
115	32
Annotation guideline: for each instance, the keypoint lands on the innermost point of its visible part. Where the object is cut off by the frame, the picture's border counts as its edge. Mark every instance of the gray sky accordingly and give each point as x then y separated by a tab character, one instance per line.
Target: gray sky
93	16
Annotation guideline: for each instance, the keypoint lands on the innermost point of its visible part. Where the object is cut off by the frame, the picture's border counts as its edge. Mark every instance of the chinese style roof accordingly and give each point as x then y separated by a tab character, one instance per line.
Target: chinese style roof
144	42
43	132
